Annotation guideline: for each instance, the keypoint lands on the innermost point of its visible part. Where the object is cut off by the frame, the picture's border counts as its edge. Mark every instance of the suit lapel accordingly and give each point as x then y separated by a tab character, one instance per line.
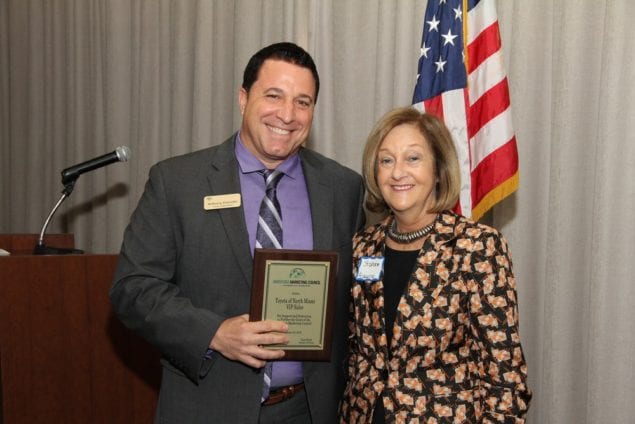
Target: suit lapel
320	190
223	179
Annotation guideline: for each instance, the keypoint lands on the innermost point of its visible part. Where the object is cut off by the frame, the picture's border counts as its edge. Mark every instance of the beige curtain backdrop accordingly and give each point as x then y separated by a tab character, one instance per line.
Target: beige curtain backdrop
81	77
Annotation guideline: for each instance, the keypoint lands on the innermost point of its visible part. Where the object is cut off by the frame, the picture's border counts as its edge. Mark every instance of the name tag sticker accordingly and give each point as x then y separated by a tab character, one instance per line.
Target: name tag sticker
370	269
222	201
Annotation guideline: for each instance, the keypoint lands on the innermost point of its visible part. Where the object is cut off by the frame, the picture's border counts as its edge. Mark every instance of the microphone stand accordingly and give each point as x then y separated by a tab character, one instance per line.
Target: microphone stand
40	247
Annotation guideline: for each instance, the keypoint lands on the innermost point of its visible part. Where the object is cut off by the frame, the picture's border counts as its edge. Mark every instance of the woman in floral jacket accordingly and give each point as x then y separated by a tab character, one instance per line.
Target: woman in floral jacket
434	317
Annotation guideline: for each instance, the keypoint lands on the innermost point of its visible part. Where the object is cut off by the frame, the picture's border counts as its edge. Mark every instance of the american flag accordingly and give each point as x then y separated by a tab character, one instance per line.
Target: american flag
462	79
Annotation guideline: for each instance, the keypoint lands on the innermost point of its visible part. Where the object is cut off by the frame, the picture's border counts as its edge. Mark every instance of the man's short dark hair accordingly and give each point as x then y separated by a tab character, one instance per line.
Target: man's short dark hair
288	52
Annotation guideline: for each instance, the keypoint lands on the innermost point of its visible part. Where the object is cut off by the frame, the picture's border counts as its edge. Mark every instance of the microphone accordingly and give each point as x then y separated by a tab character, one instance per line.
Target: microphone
69	177
121	154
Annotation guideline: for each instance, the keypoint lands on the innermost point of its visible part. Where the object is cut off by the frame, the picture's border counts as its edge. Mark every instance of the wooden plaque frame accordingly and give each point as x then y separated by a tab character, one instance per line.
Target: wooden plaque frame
297	287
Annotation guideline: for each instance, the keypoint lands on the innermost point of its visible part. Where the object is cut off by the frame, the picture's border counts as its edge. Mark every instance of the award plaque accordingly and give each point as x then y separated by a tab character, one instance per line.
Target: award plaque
297	287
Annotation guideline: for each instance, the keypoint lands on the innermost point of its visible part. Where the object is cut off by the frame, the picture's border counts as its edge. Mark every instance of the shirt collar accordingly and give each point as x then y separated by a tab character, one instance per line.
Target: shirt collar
248	163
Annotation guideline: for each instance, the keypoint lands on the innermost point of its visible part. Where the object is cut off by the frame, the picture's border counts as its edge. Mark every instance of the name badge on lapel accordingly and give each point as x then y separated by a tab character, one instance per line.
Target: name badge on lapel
370	269
222	201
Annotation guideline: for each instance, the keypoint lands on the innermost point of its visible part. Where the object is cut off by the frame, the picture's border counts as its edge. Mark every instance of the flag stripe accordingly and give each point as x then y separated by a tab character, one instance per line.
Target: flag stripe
479	17
495	168
485	45
434	106
488	74
492	136
454	107
491	104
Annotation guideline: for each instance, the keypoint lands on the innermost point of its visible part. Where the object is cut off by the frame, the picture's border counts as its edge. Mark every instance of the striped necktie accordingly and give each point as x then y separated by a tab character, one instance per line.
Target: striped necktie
269	235
269	232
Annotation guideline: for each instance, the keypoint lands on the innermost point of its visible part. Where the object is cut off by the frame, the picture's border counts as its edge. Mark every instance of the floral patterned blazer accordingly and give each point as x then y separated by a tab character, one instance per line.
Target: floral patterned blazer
455	356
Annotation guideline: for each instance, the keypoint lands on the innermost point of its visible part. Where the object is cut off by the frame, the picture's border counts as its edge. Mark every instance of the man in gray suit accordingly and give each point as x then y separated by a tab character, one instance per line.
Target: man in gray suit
183	280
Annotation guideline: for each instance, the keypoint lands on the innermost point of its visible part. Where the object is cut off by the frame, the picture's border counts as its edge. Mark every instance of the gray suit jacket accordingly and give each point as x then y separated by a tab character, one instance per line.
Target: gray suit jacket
183	270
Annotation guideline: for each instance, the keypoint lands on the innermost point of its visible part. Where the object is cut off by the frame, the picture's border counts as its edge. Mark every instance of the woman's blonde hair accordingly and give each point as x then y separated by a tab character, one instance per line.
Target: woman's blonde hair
438	138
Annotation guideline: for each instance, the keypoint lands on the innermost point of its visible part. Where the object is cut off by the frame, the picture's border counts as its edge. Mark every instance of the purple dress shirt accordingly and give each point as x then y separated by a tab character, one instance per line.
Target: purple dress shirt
297	228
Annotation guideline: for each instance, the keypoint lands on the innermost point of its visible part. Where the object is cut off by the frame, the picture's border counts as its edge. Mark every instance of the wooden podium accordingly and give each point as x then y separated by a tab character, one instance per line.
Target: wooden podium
64	356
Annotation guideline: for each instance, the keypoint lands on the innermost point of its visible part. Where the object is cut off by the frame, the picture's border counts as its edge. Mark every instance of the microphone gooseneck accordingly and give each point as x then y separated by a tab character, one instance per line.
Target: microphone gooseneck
69	177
